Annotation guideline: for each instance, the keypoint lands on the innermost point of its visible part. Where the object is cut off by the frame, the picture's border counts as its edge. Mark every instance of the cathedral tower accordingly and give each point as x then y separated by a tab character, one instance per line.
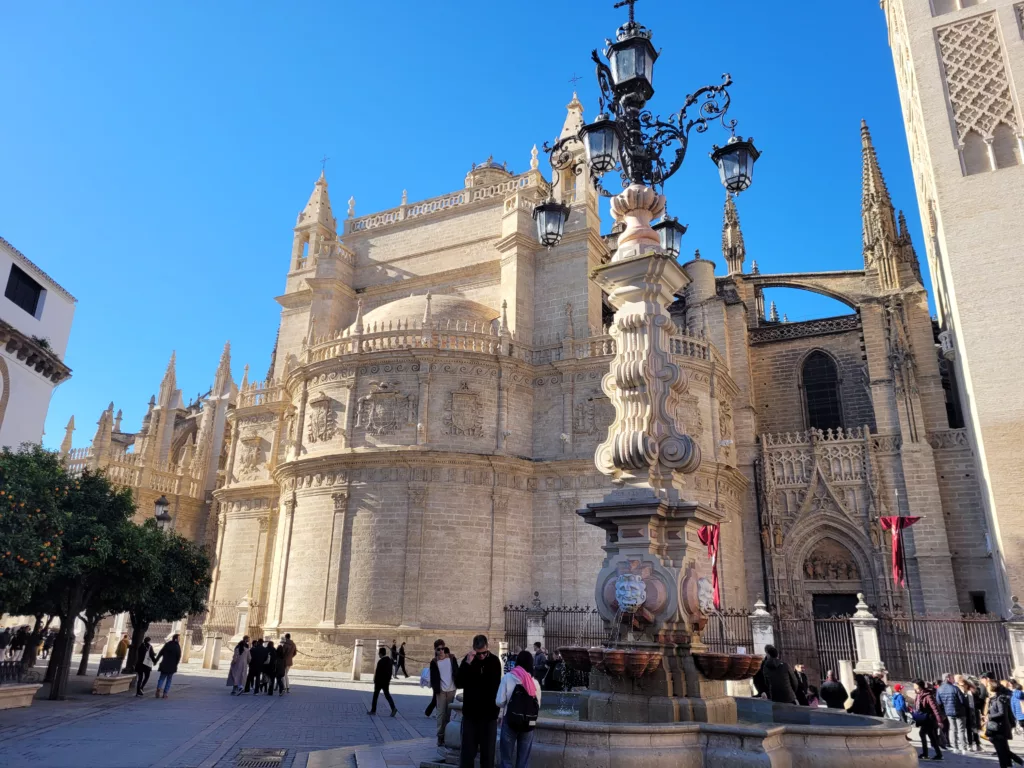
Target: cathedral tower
958	67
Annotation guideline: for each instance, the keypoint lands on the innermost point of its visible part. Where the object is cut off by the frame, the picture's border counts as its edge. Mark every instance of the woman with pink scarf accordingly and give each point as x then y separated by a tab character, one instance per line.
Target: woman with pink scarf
515	745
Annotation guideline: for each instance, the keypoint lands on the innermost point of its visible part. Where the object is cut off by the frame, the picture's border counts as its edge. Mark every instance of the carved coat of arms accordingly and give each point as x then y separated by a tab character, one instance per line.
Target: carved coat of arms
251	455
463	413
322	420
385	410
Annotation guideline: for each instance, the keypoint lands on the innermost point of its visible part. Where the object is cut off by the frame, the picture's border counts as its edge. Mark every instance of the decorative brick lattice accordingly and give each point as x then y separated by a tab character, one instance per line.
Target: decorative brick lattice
787	331
976	79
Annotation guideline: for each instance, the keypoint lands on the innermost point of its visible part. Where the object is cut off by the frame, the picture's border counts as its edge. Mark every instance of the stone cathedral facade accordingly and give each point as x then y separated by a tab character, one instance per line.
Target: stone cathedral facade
416	455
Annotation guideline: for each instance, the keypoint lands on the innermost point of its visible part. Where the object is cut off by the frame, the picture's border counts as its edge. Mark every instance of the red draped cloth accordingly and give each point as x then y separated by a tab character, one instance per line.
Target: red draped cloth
899	566
709	536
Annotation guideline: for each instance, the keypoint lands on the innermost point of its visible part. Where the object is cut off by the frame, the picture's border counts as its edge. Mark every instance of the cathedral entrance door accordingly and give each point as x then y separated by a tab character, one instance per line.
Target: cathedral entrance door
827	606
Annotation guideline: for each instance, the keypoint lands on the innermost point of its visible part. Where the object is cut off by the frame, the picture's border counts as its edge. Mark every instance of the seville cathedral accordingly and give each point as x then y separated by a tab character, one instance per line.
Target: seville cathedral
415	457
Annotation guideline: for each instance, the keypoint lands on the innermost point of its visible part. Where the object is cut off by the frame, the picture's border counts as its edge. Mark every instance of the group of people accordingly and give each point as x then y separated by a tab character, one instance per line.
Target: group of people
488	694
14	641
261	667
398	658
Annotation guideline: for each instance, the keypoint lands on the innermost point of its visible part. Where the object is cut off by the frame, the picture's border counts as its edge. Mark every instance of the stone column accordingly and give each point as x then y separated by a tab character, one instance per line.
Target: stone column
413	545
357	660
499	538
1015	629
242	619
330	613
535	623
762	628
865	633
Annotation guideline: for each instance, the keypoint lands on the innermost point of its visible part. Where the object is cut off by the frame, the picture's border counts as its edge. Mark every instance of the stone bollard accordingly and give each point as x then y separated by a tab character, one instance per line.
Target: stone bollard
357	660
762	628
112	640
865	633
1015	630
186	647
215	653
208	650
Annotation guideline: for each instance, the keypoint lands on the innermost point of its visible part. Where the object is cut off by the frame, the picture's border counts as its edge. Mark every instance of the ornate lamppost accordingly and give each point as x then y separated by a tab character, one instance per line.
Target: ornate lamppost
645	448
160	513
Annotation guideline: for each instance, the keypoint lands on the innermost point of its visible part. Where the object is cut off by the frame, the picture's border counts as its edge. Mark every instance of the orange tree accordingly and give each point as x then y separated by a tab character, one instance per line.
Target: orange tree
33	517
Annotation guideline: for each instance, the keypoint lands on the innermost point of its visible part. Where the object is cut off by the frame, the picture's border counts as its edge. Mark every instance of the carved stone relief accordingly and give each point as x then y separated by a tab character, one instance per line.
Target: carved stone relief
251	455
830	561
592	415
463	413
688	414
385	409
322	419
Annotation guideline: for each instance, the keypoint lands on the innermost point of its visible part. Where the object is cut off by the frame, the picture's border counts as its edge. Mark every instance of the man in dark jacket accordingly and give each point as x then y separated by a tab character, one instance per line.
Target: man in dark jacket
540	663
443	670
257	658
929	718
833	692
168	657
954	707
878	686
382	681
999	722
775	679
479	677
801	684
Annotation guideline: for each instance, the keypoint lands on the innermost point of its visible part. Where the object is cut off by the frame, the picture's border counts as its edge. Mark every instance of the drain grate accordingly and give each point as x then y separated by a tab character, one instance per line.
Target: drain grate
260	758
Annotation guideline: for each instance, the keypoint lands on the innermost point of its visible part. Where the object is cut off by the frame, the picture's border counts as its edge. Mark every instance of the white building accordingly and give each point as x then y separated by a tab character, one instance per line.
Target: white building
35	322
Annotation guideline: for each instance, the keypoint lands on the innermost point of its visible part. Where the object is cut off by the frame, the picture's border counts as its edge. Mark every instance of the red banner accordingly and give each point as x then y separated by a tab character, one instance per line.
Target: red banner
709	536
899	566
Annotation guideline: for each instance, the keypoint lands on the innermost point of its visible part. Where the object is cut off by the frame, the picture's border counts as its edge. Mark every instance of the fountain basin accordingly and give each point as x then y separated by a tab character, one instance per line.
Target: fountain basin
793	739
726	666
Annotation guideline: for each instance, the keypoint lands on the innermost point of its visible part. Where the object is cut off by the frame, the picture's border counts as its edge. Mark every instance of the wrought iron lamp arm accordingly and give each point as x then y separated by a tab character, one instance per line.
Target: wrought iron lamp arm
604	82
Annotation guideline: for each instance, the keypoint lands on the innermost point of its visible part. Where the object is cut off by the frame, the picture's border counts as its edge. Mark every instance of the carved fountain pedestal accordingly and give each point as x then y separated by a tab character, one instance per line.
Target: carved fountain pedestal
654	543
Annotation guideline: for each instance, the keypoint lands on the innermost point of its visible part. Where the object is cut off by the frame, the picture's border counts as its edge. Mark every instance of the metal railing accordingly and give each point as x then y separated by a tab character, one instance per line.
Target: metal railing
727	631
927	647
818	644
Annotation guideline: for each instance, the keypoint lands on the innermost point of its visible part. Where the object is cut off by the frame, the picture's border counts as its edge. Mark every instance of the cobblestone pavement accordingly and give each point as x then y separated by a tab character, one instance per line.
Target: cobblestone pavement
202	726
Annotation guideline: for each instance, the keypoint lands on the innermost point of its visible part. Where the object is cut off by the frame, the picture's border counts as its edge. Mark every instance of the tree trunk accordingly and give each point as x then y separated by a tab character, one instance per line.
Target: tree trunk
76	603
90	635
28	660
139	630
55	653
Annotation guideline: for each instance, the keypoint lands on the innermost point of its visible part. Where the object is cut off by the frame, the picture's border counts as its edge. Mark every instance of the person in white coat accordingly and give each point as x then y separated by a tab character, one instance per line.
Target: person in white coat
239	666
515	746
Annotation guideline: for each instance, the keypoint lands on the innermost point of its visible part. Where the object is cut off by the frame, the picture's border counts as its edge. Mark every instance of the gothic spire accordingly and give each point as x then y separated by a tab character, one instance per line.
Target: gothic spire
773	313
573	118
874	188
876	205
318	209
222	379
733	248
65	446
169	383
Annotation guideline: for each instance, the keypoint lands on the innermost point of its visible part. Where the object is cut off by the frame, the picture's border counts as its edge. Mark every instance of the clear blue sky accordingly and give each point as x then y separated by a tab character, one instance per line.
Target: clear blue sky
153	156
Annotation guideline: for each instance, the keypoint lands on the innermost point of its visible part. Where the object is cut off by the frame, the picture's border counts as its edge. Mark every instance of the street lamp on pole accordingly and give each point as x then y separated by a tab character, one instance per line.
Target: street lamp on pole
160	513
628	136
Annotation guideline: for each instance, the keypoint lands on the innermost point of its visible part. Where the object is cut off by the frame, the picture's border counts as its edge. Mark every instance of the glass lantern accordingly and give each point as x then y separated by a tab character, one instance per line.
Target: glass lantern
735	163
631	59
163	517
670	233
601	142
550	217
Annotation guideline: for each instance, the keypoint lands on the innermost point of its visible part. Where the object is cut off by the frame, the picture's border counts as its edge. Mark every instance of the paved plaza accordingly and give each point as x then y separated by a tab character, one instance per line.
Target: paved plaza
322	724
202	726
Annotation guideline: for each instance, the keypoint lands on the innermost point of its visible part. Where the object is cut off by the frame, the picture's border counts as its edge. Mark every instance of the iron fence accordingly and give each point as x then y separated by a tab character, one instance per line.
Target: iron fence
223	618
927	647
728	631
574	625
818	644
515	625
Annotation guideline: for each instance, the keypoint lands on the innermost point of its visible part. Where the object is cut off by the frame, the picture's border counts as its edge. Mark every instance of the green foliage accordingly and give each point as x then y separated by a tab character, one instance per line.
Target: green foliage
181	583
33	488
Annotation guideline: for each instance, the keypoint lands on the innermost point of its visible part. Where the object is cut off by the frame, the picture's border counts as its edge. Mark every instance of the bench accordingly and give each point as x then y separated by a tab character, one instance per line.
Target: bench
105	685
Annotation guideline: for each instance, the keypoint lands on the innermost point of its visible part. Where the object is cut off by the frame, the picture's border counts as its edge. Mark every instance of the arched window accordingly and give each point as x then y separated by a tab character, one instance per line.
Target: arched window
821	392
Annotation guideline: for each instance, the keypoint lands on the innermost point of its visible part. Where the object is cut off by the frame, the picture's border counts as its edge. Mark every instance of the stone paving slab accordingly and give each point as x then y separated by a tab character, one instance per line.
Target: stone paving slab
202	726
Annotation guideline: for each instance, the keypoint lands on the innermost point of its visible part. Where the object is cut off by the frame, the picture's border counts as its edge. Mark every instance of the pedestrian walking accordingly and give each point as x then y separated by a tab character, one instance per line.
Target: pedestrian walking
519	698
775	679
801	684
257	658
540	664
928	717
281	668
954	707
443	669
438	644
401	660
169	657
1016	697
18	643
270	668
863	699
394	657
121	651
382	681
48	641
479	676
833	693
999	722
5	641
899	703
970	713
239	671
288	653
144	666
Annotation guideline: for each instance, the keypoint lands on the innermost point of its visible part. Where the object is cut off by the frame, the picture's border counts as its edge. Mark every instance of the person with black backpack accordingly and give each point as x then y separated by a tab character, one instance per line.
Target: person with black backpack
519	699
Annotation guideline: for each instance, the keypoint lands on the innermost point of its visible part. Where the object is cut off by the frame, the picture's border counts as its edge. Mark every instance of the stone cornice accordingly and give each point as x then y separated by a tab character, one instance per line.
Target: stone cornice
489	268
32	354
295	299
326	284
518	240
